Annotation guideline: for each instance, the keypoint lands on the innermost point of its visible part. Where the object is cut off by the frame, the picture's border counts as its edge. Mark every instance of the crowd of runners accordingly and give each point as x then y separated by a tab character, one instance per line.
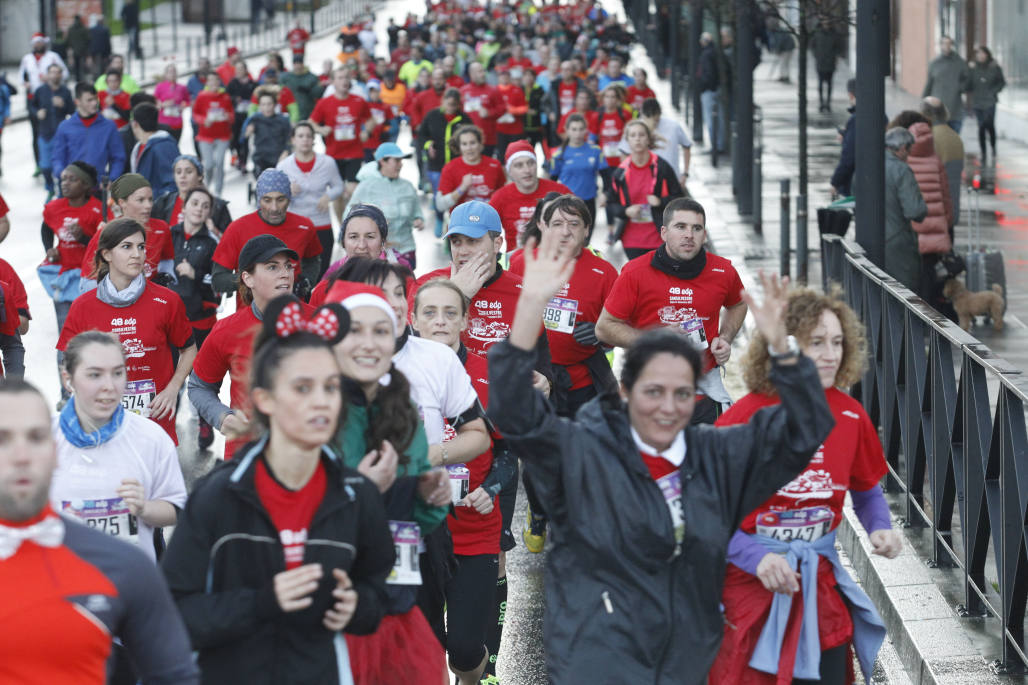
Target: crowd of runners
380	417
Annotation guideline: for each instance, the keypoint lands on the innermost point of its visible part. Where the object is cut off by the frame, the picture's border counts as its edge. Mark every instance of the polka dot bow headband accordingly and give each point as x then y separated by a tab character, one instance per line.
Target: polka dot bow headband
329	322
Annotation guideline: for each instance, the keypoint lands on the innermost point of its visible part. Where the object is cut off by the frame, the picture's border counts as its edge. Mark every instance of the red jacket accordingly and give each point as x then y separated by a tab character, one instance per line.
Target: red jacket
933	233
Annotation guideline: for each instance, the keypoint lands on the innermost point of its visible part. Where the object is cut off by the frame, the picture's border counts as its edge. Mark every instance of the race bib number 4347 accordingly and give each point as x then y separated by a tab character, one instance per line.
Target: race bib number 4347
809	524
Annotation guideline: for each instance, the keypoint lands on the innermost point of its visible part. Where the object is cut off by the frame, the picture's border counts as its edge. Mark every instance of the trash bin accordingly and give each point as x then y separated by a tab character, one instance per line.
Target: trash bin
835	219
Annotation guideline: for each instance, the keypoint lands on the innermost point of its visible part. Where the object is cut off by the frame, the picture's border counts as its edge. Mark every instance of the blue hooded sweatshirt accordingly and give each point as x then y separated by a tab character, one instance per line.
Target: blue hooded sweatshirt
156	161
98	144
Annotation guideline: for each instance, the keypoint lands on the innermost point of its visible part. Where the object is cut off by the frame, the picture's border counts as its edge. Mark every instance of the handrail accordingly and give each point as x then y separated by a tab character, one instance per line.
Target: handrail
928	389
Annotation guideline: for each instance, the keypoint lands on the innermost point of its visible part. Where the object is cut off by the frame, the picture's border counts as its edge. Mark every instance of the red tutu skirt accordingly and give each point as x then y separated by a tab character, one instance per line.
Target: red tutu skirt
402	651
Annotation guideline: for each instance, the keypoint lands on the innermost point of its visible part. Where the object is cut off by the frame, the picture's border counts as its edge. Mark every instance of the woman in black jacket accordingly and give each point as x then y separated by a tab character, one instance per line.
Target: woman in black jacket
188	173
279	552
641	504
643	184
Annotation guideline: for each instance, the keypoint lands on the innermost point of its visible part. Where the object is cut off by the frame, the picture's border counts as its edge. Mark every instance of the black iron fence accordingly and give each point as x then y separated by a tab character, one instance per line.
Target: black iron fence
952	421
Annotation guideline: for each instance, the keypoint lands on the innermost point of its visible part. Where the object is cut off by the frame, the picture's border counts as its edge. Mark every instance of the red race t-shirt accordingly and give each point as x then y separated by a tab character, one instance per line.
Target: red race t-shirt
297	232
382	115
585	293
158	247
809	507
491	311
58	215
644	297
4	209
566	93
516	208
218	125
148	329
611	125
346	117
121	100
642	182
486	178
291	510
512	120
483	104
635	96
16	300
297	40
282	102
475	533
592	122
176	211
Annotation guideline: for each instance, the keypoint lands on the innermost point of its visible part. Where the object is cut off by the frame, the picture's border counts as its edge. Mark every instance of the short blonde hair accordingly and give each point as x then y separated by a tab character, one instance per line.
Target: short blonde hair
645	126
802	315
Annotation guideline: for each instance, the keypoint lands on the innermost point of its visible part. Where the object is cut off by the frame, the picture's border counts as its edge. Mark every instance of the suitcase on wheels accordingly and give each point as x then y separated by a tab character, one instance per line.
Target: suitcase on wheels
984	268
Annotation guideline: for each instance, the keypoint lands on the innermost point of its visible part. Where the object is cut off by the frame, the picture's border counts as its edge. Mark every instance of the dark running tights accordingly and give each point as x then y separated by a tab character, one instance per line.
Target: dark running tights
986	124
469	609
833	667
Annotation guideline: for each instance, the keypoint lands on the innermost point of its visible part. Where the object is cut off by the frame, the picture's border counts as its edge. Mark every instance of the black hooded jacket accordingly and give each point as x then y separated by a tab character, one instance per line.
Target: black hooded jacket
622	604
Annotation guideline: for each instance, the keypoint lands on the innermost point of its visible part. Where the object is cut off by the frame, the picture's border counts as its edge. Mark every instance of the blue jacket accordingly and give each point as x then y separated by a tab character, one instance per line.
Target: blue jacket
99	145
155	164
5	102
44	100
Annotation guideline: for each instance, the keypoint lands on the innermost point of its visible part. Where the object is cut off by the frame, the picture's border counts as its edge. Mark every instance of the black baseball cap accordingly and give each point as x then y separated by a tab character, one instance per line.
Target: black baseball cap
261	248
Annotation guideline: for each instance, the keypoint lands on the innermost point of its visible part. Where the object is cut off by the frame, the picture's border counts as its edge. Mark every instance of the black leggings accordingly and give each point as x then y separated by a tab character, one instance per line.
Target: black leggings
469	602
833	667
325	237
986	124
824	87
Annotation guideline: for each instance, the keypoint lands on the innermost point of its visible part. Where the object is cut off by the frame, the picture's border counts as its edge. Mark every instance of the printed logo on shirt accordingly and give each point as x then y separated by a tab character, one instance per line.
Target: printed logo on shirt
851	414
720	271
681	295
293	542
673	316
157	299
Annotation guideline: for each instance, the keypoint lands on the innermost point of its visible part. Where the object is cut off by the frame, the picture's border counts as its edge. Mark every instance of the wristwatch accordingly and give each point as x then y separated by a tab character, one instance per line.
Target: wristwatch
792	349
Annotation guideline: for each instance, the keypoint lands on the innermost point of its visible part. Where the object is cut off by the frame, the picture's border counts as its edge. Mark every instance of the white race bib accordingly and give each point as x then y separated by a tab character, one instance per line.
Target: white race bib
560	314
694	332
460	482
507	118
406	539
138	396
671	487
109	516
611	149
807	524
172	111
344	132
378	115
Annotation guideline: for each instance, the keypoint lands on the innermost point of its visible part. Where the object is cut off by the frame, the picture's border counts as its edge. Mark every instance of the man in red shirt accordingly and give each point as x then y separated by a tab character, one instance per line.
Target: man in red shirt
430	98
511	124
298	38
345	122
272	218
683	287
515	202
69	584
483	103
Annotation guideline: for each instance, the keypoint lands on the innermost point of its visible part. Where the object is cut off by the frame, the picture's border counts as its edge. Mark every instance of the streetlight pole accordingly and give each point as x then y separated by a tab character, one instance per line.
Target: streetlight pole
743	153
869	181
695	29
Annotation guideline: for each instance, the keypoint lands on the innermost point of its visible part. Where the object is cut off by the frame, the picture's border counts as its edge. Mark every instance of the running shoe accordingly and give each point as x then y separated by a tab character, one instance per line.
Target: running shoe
205	436
534	533
489	680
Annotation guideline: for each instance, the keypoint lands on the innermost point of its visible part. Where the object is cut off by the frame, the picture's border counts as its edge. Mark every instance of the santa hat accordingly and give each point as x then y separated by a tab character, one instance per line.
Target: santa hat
518	149
38	37
233	51
352	295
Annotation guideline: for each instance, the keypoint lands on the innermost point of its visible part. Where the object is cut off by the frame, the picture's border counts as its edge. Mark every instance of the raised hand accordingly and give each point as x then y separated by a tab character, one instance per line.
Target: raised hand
770	314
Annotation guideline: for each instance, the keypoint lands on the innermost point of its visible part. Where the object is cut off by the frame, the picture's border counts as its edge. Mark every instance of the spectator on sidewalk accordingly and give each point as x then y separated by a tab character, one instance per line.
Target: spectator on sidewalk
708	81
903	204
117	63
986	83
88	137
842	177
78	44
670	136
153	157
825	46
99	46
130	22
51	104
948	79
948	146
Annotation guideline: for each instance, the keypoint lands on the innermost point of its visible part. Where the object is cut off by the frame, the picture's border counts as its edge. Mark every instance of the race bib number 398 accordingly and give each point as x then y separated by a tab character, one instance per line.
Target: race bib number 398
559	315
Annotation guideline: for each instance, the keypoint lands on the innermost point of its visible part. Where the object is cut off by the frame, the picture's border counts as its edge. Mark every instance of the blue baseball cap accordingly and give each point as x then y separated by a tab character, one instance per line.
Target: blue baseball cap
474	219
389	150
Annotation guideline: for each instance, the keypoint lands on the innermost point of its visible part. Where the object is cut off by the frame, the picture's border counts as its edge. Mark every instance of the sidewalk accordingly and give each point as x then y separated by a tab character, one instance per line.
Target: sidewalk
174	41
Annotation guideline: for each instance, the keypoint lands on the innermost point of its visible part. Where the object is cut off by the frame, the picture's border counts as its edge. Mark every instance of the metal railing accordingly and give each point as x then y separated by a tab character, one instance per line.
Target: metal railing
952	421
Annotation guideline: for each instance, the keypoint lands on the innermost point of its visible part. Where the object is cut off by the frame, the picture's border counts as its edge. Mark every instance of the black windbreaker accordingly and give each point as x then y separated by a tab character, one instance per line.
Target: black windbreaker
621	605
221	563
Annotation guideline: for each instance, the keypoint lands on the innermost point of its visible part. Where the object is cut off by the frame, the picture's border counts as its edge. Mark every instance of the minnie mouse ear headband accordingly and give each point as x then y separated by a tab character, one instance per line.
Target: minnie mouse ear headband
286	316
351	295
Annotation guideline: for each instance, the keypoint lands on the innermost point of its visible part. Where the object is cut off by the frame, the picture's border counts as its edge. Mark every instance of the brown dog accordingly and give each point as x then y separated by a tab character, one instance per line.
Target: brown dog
969	304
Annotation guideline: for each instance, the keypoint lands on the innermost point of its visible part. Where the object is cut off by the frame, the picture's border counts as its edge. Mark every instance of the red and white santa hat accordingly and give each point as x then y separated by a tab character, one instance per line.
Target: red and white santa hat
352	295
517	150
38	37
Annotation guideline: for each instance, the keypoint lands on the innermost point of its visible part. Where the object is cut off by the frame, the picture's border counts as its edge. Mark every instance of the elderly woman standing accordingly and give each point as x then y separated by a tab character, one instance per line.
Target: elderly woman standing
903	204
381	185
